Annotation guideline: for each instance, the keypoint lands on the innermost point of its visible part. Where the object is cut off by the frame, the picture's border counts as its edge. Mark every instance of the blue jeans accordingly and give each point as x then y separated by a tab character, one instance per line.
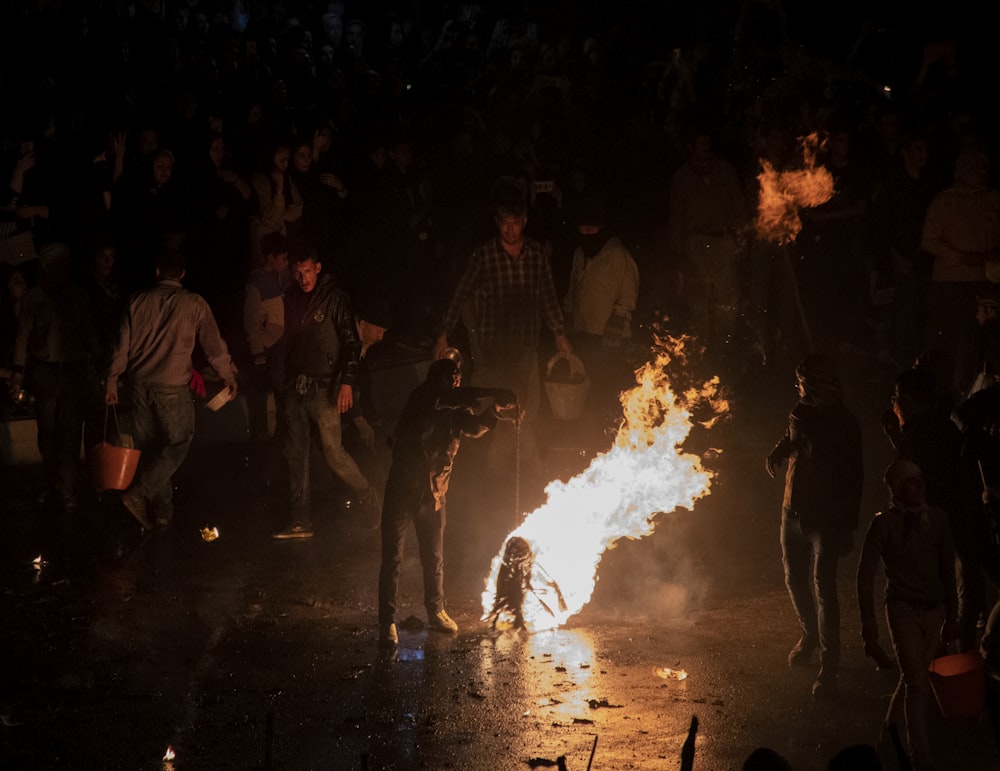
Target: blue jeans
301	414
164	425
810	561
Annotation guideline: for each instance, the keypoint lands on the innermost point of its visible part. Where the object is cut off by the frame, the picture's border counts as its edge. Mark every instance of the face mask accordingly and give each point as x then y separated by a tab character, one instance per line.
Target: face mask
591	244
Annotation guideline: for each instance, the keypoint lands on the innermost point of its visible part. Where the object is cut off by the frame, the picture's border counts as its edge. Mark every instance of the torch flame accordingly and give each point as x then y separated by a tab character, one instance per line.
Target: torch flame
617	496
209	533
37	562
169	754
784	193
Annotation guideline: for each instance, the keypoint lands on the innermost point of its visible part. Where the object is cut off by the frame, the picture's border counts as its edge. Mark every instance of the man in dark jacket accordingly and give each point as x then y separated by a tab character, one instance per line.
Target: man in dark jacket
321	352
819	513
437	415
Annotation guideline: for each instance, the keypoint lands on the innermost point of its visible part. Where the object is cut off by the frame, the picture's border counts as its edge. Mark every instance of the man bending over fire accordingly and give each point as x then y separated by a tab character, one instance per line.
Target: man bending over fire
437	415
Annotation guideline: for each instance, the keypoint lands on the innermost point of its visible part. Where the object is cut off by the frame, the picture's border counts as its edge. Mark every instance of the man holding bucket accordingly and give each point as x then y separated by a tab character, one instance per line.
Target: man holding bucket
913	542
158	336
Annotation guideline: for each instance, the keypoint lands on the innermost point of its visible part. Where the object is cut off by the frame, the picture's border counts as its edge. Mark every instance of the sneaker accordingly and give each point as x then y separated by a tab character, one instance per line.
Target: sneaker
136	506
387	636
800	654
297	530
442	622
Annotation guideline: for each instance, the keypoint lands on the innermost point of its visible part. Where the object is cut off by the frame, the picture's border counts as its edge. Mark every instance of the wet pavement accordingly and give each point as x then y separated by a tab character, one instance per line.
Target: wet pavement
244	652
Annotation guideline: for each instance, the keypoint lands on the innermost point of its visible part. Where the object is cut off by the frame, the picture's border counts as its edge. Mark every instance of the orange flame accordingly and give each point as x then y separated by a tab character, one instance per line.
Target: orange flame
784	193
169	754
617	496
670	674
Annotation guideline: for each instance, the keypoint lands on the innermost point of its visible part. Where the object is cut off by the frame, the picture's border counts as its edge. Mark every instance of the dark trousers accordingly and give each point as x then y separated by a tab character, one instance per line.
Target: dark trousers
402	506
810	561
164	426
301	413
60	402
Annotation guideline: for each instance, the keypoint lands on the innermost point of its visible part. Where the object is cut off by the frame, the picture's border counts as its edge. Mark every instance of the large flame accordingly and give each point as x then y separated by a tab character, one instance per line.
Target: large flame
617	496
784	193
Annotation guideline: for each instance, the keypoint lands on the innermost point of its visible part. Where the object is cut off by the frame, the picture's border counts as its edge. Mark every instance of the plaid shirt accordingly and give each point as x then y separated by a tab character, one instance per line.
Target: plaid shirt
509	297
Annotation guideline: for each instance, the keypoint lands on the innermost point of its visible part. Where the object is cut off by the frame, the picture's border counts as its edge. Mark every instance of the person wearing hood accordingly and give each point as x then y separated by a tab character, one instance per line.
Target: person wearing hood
961	234
819	511
912	541
437	415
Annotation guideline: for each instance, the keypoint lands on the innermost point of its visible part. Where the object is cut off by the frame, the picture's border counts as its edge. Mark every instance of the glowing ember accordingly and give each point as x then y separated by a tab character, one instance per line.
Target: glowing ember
169	754
617	496
209	533
784	193
670	674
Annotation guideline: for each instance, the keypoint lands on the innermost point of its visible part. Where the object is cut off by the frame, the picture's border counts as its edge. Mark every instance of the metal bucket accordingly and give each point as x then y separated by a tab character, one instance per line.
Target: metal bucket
567	398
959	683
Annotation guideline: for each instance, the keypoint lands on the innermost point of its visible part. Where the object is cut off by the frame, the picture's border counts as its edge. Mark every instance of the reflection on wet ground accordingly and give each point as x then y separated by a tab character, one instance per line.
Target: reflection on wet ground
243	652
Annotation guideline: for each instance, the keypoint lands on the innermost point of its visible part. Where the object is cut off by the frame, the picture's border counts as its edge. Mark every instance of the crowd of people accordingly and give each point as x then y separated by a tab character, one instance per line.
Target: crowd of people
259	192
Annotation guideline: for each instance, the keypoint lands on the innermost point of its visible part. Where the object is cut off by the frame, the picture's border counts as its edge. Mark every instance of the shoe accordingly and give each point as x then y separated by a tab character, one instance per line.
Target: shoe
825	686
387	636
297	530
136	506
799	655
442	622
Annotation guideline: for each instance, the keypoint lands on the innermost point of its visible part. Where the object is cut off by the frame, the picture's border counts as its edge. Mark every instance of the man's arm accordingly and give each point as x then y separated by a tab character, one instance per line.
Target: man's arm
214	346
119	358
463	293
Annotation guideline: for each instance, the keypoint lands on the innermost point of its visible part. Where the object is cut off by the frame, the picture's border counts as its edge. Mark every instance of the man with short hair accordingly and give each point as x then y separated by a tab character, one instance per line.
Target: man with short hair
322	351
508	285
158	335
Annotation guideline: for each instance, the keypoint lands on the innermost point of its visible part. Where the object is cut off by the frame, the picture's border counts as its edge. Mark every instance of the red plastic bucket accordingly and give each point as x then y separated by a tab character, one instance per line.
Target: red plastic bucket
112	468
959	683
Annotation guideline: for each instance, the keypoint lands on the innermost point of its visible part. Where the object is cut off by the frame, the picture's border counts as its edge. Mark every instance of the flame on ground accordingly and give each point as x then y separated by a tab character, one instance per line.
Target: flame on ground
617	496
670	674
784	193
169	754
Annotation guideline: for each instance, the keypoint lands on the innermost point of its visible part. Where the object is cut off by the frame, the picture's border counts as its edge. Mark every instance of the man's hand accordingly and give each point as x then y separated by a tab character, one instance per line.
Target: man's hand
233	390
111	393
875	652
563	345
345	398
772	463
16	378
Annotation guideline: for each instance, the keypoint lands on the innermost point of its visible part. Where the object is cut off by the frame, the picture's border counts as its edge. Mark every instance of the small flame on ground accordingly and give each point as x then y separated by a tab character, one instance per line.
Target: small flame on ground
670	674
169	754
784	193
209	533
37	562
617	496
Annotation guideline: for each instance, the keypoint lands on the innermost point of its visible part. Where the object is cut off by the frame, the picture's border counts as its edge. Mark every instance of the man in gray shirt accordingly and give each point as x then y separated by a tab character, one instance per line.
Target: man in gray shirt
158	335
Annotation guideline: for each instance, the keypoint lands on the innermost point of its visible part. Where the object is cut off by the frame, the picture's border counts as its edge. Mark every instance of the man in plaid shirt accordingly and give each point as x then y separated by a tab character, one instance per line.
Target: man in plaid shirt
504	296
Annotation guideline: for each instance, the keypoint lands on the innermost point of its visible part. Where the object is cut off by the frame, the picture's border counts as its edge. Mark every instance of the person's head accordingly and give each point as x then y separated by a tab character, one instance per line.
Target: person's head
817	378
274	247
915	149
306	267
987	310
302	156
444	375
858	757
906	484
972	170
354	36
170	264
104	260
333	28
374	320
55	263
765	759
217	150
163	167
16	285
282	154
149	141
510	210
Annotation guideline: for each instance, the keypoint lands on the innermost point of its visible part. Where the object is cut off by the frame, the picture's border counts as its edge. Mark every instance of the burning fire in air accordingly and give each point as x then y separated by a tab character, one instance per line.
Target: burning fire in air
784	193
548	566
169	754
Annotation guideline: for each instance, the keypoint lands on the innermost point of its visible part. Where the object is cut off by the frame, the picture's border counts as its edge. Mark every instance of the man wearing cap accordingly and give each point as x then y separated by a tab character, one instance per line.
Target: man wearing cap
912	541
372	320
158	334
819	511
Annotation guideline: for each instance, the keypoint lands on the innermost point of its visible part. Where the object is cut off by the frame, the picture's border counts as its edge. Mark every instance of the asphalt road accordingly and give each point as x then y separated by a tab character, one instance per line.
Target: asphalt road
244	652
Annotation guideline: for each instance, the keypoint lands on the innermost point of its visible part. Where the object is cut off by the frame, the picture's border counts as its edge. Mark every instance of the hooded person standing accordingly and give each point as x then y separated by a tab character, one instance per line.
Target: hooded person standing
912	541
819	510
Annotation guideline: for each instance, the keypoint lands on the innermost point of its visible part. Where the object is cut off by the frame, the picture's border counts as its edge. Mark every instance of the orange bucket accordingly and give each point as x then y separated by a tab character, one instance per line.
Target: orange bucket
959	683
112	468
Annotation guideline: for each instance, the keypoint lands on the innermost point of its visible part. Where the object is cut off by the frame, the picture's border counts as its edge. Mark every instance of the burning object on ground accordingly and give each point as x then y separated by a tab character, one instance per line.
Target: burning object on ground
670	674
515	585
209	534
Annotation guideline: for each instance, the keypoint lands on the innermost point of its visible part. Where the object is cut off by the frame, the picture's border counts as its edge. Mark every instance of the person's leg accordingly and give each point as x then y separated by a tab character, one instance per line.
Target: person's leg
827	604
796	556
173	413
70	408
430	539
324	413
914	634
295	446
44	385
394	522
